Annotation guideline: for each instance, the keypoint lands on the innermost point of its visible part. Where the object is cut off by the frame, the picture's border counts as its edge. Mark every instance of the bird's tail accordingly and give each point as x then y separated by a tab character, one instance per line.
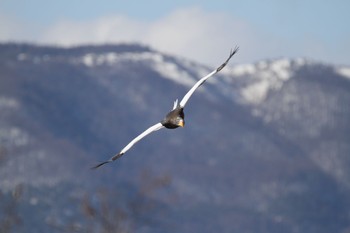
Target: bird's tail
175	103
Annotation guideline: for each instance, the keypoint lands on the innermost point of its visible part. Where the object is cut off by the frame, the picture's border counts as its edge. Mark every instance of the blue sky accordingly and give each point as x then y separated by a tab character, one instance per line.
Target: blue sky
199	30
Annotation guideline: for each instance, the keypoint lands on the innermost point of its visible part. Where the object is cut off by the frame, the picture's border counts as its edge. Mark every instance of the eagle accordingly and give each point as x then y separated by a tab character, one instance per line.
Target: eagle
174	119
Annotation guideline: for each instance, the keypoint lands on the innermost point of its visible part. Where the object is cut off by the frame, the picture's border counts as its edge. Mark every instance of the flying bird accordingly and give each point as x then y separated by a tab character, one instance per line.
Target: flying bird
174	119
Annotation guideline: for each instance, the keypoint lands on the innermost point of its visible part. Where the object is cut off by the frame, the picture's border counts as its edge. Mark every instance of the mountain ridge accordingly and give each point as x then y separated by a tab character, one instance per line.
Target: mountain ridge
263	149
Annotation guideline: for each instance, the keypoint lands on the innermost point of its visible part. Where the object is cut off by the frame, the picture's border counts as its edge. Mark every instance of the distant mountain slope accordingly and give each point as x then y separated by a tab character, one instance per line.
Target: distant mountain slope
265	147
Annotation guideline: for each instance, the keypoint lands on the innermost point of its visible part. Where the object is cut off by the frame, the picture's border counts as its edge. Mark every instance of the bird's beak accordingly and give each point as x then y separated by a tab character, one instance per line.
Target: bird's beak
181	123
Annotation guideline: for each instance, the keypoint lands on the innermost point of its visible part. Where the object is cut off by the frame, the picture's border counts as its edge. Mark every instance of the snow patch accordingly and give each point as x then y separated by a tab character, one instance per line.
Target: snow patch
301	61
344	71
34	201
281	68
157	61
258	79
245	69
88	60
173	72
22	57
6	102
112	58
13	137
256	92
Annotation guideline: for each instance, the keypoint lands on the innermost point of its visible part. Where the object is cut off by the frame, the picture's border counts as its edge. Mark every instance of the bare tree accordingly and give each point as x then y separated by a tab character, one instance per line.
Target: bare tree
108	211
10	217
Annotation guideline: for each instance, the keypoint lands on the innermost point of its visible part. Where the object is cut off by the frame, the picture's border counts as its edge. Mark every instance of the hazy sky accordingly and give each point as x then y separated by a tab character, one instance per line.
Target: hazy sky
200	30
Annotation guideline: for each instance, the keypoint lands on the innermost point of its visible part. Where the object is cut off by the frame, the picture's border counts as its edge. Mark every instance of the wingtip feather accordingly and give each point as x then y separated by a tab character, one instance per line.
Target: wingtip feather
100	164
117	156
232	52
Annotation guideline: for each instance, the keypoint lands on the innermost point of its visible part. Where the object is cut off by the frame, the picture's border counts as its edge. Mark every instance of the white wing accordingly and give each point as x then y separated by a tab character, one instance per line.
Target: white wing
190	92
151	129
202	80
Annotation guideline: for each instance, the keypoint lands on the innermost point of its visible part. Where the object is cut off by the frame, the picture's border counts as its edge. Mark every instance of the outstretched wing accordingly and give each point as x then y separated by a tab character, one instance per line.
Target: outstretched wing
151	129
202	80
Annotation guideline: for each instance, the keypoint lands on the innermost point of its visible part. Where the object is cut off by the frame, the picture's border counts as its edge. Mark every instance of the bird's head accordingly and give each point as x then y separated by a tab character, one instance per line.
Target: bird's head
180	121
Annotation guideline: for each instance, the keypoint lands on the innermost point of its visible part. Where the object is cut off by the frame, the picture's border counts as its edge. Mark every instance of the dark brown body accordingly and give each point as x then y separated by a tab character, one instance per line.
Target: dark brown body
174	119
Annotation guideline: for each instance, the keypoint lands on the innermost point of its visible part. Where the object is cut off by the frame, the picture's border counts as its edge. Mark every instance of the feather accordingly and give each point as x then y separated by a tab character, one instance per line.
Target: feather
151	129
202	80
175	103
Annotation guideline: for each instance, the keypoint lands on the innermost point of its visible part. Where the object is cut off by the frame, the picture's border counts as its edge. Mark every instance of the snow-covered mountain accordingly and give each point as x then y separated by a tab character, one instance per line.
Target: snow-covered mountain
265	147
